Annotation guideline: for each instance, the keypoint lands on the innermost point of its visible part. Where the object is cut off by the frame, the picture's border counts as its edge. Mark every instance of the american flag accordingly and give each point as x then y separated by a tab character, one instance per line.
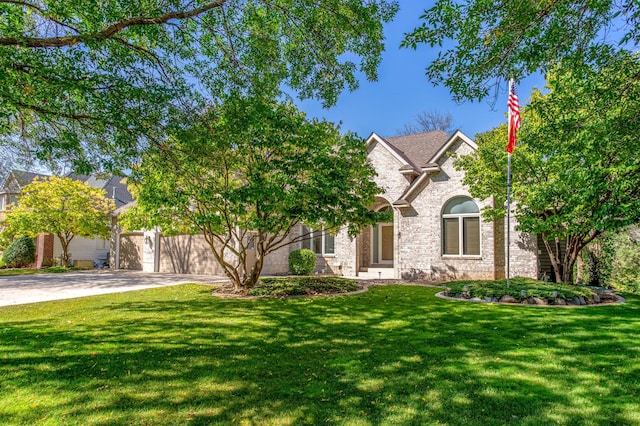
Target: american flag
514	115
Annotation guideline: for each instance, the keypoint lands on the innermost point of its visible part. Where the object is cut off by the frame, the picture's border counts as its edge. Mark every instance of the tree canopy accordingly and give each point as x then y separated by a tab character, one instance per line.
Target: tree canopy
90	83
64	207
245	173
484	43
576	172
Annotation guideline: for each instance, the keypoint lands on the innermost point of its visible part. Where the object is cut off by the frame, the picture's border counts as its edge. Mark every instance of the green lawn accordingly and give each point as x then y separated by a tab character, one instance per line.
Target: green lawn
394	355
33	271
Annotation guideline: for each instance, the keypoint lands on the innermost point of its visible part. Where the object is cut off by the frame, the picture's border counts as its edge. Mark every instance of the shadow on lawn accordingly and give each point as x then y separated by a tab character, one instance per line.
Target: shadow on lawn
395	355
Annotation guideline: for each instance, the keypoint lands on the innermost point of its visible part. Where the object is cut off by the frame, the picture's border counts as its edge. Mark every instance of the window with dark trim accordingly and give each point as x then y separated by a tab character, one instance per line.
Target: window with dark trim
461	227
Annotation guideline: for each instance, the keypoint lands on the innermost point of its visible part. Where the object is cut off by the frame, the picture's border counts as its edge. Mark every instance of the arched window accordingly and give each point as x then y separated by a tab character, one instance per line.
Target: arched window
461	227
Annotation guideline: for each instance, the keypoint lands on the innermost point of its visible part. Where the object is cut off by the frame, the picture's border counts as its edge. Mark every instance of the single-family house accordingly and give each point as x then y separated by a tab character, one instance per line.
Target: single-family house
48	248
437	231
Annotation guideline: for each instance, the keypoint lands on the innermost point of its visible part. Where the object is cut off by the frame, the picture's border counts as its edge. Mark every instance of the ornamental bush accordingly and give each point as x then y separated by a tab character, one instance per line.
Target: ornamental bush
620	260
302	262
20	253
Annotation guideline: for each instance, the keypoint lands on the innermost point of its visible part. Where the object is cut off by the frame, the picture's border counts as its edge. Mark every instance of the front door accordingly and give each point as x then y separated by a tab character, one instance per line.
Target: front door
386	246
382	252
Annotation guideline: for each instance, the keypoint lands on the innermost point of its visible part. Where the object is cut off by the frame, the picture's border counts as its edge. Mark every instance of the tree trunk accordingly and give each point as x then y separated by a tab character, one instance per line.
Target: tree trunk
554	256
580	269
563	263
574	245
64	243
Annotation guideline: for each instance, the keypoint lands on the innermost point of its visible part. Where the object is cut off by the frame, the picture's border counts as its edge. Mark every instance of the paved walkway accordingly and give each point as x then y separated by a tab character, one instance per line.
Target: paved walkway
22	289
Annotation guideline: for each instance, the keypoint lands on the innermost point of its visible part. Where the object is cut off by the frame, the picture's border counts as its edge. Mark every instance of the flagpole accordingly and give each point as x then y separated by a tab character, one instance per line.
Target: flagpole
508	218
513	107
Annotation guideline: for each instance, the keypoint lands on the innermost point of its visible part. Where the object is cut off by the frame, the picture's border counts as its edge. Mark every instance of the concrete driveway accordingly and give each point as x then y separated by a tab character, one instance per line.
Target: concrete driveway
18	290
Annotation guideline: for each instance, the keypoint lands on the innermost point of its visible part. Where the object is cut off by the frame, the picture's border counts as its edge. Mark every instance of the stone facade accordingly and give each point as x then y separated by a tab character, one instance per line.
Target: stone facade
417	176
418	199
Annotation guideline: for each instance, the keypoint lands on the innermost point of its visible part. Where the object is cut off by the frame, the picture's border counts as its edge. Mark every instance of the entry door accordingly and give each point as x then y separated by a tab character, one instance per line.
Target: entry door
383	244
386	243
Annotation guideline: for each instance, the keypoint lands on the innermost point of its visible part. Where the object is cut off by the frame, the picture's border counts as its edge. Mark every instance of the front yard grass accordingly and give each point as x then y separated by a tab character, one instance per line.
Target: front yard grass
33	271
396	355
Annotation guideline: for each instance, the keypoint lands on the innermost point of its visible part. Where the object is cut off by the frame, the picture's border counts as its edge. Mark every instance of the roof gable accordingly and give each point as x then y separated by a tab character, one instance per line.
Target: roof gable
17	179
419	148
398	155
432	167
457	135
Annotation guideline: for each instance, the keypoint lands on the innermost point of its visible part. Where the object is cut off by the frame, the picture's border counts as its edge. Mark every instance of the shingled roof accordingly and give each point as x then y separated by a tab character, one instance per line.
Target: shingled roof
25	178
418	149
113	185
20	179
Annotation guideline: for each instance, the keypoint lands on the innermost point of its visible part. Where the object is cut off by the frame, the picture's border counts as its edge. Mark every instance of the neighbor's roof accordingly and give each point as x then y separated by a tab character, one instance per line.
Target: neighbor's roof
25	178
20	179
113	185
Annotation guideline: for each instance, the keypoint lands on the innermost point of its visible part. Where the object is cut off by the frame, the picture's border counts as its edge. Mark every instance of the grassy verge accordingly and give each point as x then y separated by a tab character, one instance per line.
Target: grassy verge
31	271
396	355
304	285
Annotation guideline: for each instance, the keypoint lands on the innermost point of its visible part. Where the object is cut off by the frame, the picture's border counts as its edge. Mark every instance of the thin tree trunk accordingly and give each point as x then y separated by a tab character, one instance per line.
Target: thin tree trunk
580	270
64	242
554	257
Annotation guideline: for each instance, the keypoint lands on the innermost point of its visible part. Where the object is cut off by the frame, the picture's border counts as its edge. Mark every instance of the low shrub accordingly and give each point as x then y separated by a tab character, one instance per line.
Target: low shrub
534	288
302	262
20	253
309	285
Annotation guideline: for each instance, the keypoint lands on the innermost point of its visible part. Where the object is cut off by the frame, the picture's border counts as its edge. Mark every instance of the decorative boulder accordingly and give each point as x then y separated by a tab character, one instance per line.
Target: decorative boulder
508	299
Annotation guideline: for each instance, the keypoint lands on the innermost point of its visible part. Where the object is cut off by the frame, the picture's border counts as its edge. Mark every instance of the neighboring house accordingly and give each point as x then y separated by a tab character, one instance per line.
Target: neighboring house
48	248
96	250
437	232
9	192
13	184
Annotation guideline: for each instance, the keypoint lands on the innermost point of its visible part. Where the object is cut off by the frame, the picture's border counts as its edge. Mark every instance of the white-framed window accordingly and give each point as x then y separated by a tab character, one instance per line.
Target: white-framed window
461	227
318	241
2	202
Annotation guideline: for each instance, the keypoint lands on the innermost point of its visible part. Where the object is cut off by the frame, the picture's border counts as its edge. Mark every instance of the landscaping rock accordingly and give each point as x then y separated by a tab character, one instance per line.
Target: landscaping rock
608	298
560	302
475	299
596	298
490	299
539	301
508	299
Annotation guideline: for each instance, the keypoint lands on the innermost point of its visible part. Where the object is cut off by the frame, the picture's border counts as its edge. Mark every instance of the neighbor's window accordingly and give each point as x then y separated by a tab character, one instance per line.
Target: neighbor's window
461	227
101	244
318	241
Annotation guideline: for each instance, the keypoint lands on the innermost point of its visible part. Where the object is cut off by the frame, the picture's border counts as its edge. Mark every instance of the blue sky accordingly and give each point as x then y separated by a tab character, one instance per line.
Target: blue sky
403	91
